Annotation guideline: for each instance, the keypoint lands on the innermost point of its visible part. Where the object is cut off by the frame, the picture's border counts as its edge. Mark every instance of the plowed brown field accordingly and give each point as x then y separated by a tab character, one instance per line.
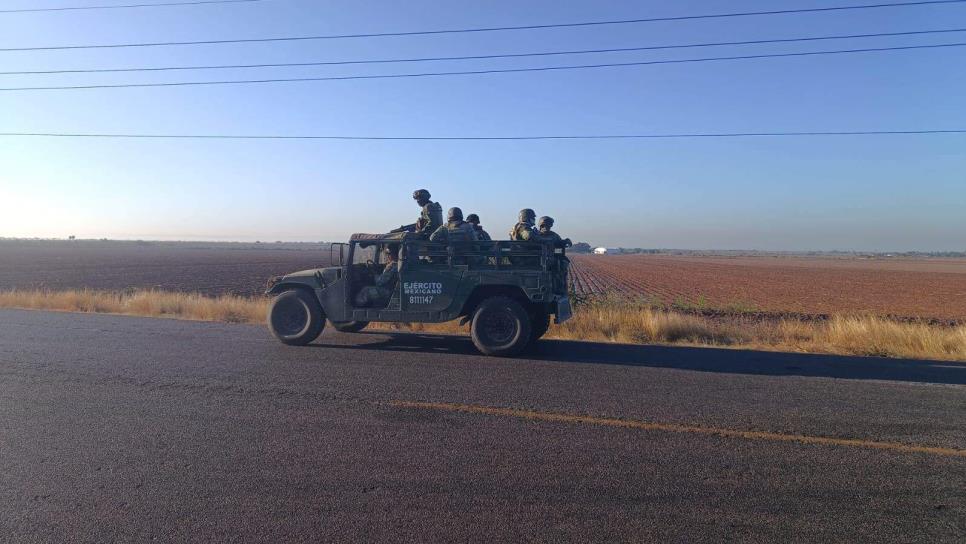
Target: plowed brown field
929	288
207	268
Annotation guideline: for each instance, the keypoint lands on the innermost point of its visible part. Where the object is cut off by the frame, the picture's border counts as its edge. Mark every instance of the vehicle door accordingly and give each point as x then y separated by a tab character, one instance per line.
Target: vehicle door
427	280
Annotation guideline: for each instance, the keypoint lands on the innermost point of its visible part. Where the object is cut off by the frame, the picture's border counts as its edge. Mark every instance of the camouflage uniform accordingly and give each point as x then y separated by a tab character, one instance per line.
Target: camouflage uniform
482	234
524	230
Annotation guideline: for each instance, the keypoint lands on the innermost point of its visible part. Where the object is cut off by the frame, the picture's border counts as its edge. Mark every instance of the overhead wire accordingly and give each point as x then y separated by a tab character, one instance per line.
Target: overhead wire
486	57
496	28
477	72
128	6
487	138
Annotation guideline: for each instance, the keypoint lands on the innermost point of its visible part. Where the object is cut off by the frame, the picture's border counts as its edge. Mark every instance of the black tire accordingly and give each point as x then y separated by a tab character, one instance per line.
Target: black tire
349	326
295	317
500	327
539	324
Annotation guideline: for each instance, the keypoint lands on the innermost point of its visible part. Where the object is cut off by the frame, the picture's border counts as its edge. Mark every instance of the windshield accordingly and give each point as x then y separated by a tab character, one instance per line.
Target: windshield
362	255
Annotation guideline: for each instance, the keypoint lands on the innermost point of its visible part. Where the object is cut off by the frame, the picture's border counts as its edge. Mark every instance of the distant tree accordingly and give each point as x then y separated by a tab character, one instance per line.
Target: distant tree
71	237
581	247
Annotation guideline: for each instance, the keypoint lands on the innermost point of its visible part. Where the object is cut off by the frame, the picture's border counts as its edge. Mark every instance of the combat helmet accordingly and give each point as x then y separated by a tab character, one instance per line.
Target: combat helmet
421	195
454	214
473	218
545	220
527	216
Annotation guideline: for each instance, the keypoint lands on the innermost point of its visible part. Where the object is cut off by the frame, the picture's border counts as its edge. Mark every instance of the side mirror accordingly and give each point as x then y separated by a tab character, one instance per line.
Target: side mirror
341	254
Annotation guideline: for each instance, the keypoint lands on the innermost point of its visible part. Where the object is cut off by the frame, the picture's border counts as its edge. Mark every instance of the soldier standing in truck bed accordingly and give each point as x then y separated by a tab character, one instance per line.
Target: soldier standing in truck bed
524	230
481	234
431	214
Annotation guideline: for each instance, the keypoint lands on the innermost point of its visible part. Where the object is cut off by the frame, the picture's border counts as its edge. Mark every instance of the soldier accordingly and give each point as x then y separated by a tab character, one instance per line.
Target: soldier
455	229
481	234
524	230
431	215
545	230
378	295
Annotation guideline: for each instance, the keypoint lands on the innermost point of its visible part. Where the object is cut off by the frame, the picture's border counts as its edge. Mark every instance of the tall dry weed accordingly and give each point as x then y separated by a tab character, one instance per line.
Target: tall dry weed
636	325
867	335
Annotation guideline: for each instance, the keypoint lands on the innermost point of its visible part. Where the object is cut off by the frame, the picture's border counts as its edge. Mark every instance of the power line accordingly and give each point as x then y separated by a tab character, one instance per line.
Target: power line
484	57
127	6
494	29
477	72
487	138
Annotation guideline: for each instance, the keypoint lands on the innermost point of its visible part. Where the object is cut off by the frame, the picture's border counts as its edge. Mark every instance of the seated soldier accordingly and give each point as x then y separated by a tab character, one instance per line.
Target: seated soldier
523	230
455	230
481	234
378	295
545	230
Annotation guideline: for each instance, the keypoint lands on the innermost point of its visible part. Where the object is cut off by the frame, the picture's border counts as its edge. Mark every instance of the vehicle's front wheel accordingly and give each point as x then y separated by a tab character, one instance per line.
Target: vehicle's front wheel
349	326
295	317
501	327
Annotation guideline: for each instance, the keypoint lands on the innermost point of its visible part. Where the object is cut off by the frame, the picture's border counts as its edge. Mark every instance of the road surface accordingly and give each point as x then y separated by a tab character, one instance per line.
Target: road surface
134	429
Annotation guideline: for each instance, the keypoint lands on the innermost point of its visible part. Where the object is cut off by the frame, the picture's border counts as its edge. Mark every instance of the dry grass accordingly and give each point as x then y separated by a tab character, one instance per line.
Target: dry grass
229	309
613	323
608	322
876	336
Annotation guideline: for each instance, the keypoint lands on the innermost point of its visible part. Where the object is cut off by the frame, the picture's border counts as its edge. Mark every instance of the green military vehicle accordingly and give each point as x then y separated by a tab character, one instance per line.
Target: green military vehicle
506	290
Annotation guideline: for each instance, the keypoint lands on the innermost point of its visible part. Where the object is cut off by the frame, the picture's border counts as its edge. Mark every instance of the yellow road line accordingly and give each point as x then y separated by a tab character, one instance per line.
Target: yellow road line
676	428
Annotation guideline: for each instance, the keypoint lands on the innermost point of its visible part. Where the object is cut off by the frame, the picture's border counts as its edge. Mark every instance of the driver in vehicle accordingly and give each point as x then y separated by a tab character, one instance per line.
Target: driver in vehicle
378	295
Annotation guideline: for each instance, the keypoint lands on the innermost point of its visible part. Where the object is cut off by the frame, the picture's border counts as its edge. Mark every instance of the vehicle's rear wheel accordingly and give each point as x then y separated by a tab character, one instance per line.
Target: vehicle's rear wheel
349	326
501	327
295	317
539	324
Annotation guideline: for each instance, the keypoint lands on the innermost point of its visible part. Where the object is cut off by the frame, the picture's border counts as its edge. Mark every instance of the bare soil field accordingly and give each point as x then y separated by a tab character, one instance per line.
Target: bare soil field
926	288
207	268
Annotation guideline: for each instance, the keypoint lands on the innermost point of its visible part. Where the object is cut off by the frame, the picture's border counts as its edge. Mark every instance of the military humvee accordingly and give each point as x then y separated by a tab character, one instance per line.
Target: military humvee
506	290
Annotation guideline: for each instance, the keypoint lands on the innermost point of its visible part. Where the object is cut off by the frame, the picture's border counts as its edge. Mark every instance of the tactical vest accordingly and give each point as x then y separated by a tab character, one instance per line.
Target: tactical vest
460	232
432	216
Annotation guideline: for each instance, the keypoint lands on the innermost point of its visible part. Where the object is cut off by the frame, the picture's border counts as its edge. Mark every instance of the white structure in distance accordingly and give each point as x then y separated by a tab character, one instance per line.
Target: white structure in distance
606	251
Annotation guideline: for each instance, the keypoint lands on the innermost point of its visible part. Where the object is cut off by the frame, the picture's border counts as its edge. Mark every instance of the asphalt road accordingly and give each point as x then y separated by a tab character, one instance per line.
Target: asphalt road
134	429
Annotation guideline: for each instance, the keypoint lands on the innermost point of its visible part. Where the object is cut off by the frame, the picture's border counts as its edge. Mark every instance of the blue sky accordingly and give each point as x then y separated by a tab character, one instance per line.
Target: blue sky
865	193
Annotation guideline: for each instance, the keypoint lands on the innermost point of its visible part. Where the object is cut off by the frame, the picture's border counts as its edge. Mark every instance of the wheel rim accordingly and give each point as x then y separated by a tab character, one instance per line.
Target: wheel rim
290	318
498	327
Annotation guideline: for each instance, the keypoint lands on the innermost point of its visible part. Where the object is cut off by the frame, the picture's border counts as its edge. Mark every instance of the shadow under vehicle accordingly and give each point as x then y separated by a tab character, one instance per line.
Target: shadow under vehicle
507	290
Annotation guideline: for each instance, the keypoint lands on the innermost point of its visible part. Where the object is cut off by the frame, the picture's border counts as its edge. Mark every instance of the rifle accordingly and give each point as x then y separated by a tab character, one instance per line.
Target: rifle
404	228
